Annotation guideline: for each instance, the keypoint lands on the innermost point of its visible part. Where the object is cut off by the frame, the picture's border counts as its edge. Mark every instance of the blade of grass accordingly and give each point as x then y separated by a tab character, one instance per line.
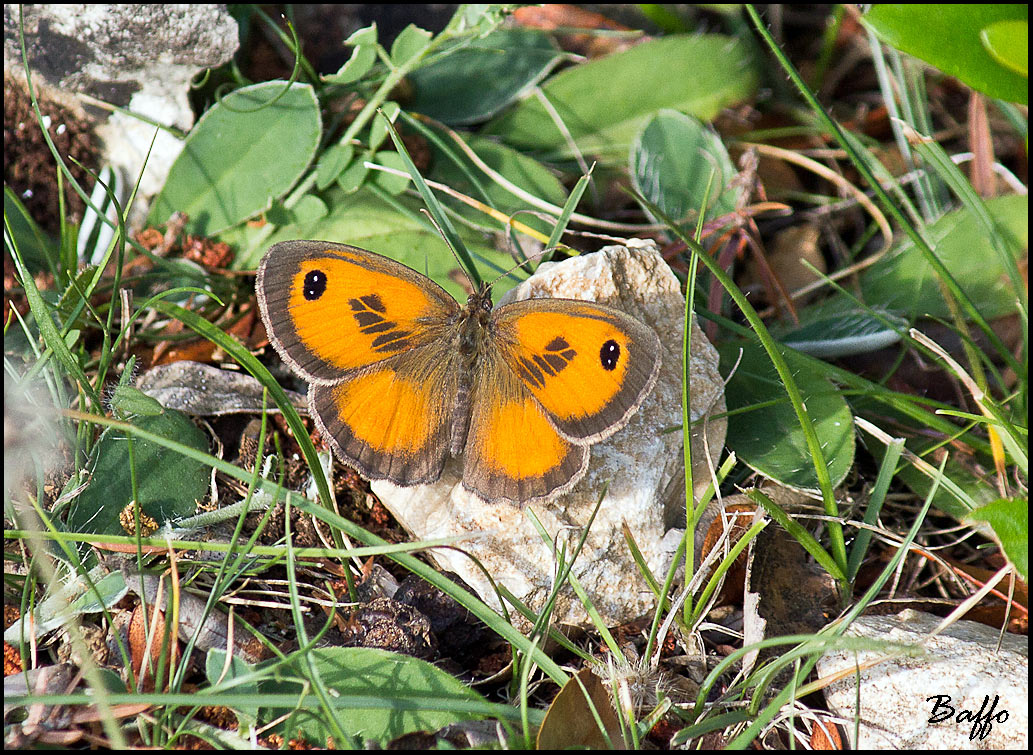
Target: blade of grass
41	311
452	238
792	390
887	469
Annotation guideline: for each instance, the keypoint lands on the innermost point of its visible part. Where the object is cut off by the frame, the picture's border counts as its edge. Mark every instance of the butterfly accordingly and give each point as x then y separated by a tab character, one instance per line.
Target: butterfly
402	376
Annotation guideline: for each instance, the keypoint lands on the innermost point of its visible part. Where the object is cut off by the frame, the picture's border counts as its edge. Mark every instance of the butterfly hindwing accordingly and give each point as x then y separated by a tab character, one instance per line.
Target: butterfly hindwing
512	450
393	420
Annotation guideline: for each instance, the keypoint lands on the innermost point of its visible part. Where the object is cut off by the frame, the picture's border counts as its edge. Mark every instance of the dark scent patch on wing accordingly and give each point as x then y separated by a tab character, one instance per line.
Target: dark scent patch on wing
369	312
558	354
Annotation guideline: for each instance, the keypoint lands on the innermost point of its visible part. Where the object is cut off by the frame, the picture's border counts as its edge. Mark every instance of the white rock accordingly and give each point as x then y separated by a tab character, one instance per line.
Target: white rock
642	464
962	663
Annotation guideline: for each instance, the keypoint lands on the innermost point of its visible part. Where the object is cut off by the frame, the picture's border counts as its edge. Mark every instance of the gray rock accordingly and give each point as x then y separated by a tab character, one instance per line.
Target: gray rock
207	391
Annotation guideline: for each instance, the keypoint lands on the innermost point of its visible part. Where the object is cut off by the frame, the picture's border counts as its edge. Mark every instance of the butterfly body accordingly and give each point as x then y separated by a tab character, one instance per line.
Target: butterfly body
402	376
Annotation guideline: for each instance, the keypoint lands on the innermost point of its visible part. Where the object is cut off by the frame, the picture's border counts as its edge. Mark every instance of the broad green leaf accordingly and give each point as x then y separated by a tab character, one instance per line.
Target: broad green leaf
366	221
362	59
1009	519
408	44
376	695
352	177
1008	44
903	280
949	37
246	151
168	485
767	434
604	103
367	35
128	400
332	163
309	208
473	83
672	160
104	593
68	599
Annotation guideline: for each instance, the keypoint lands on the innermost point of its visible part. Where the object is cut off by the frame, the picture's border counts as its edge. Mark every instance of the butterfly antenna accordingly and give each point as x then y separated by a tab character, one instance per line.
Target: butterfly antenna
528	258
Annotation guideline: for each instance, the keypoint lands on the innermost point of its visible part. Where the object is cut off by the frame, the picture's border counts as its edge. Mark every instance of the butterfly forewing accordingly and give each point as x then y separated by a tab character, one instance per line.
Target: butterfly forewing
332	308
589	366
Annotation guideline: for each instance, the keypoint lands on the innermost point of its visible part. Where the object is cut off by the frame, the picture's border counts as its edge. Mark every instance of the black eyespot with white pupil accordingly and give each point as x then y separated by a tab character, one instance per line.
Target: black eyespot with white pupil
315	285
610	355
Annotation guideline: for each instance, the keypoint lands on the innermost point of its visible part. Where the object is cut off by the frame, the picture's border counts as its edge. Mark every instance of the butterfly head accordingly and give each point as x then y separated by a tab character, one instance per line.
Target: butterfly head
478	304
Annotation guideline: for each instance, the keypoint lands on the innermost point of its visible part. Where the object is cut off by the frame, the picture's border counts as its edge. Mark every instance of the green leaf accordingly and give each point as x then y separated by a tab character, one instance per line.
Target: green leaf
672	160
389	182
411	42
362	59
246	151
377	130
376	695
367	35
309	208
604	103
1008	44
767	434
128	400
332	164
844	334
71	597
1009	520
278	214
904	281
473	83
949	37
168	485
354	175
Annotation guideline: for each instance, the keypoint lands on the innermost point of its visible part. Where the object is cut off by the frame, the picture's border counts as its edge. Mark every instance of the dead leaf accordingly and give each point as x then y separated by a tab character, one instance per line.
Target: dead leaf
570	721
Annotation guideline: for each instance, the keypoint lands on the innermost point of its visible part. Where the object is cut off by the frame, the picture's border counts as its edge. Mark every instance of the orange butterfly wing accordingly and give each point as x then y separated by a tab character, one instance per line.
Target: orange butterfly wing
512	450
556	376
589	366
332	308
374	339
